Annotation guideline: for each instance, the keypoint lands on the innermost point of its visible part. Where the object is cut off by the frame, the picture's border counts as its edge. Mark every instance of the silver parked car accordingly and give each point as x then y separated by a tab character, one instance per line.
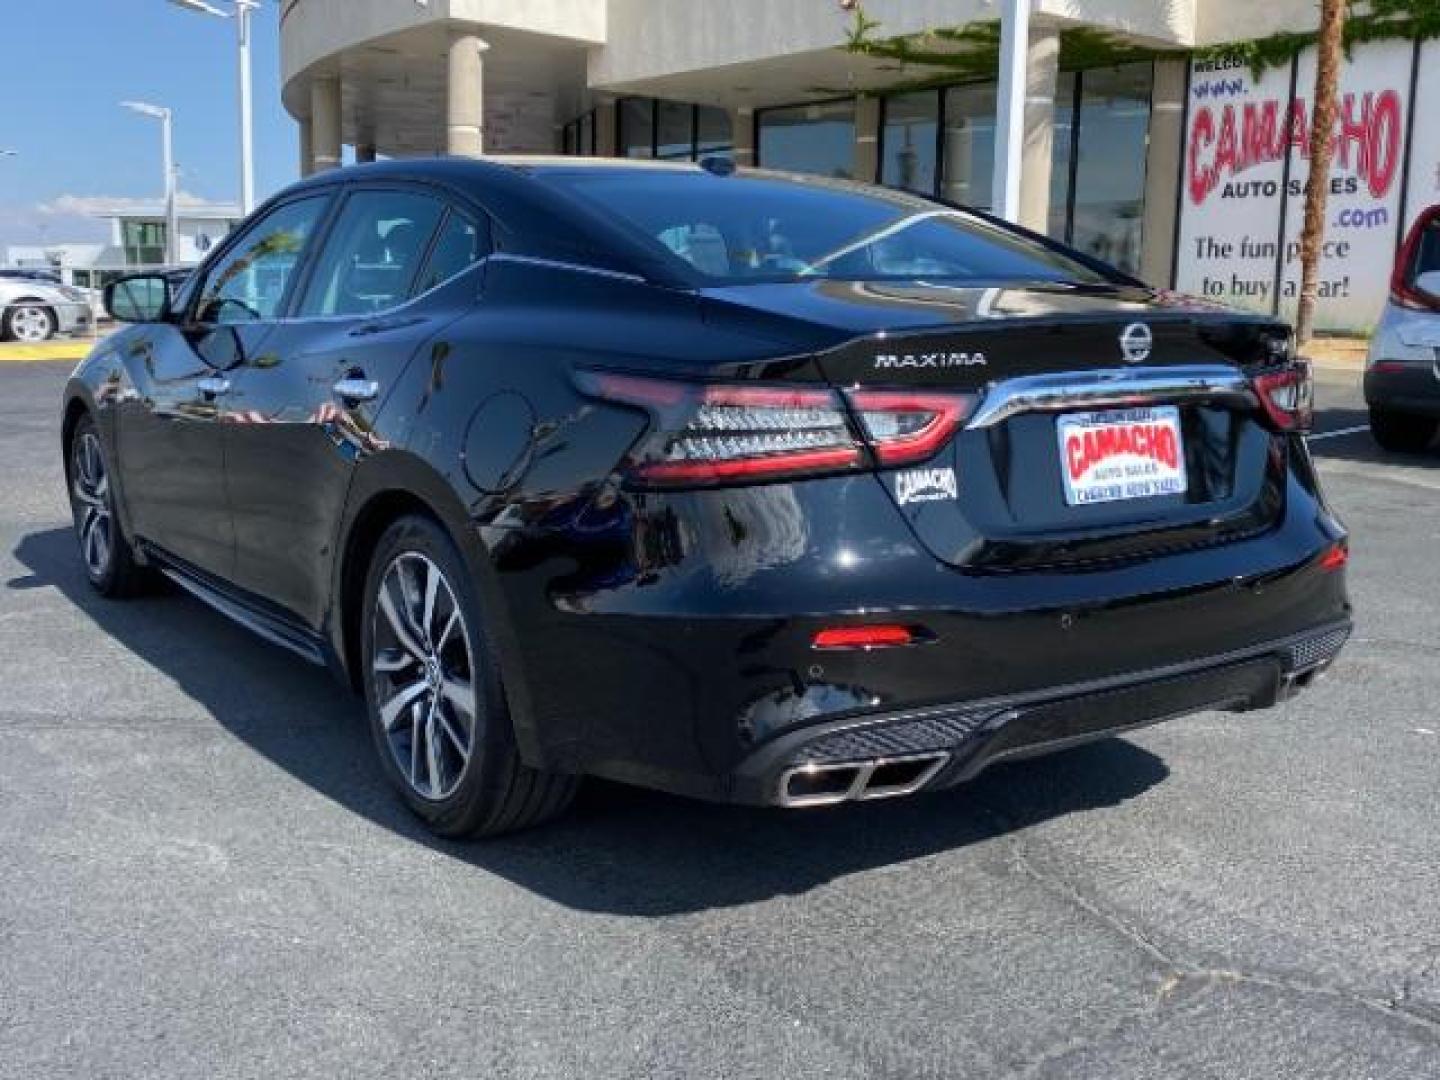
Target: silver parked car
1402	374
34	310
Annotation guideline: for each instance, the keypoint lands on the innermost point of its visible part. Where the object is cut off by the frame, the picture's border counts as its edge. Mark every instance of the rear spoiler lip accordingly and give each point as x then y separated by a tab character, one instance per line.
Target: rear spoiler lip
1113	388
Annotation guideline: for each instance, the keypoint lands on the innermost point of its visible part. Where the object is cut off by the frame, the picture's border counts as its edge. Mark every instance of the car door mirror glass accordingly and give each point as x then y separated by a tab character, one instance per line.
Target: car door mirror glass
143	298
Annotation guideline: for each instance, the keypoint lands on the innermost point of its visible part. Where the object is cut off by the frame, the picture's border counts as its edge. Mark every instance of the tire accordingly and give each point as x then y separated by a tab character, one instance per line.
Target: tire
108	558
462	776
1402	432
29	321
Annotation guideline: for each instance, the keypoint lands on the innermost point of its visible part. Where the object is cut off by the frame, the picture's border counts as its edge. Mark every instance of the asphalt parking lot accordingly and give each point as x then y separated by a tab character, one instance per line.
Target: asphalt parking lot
202	874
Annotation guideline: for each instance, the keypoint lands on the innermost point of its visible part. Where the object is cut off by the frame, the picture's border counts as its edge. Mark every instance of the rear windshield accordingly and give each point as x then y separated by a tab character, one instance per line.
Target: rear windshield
762	228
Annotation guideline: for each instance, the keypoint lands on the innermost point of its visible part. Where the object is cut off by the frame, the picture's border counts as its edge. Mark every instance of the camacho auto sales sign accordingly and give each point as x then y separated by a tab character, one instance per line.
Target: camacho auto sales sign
1247	162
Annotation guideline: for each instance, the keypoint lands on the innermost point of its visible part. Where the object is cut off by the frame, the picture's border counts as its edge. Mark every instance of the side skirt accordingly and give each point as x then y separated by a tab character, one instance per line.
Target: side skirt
273	627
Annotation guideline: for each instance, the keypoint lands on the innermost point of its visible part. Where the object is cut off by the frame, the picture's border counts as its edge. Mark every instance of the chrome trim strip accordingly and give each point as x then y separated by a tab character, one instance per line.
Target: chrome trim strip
1112	387
558	264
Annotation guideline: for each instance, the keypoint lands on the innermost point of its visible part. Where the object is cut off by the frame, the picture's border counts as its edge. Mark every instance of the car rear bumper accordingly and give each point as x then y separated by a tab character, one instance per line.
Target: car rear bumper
900	753
1404	387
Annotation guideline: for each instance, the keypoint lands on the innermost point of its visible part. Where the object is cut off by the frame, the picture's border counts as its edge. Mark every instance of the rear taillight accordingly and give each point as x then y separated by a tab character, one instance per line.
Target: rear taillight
904	427
707	434
1288	396
1403	292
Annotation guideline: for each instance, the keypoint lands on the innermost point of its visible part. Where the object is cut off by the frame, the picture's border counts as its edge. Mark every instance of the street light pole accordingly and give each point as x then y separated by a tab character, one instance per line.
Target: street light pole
167	150
243	11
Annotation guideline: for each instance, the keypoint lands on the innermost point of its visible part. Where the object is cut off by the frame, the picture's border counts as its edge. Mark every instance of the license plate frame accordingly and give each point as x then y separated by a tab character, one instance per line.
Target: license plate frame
1121	455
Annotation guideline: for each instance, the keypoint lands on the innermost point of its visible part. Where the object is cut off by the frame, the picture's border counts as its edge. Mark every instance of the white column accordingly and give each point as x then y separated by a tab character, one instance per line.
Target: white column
1010	113
465	97
307	147
1042	73
325	122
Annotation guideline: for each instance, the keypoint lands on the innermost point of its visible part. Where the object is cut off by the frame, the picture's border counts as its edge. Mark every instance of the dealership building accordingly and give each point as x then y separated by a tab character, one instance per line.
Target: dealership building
1137	137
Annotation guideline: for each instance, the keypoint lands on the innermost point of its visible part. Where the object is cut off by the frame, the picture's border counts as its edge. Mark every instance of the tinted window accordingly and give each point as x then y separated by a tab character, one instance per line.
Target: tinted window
757	228
373	254
249	281
912	123
460	245
809	138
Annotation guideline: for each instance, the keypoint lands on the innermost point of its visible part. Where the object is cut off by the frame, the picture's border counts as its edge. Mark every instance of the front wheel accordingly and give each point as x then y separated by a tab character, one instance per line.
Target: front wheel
1403	432
109	559
30	323
437	709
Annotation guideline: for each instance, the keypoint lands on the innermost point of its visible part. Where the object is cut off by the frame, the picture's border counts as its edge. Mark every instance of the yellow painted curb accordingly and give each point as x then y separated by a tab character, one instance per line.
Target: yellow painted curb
51	350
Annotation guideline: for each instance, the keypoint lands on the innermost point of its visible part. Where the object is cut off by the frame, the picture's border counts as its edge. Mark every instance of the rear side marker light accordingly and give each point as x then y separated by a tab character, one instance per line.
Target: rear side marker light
868	637
707	434
1335	558
1288	396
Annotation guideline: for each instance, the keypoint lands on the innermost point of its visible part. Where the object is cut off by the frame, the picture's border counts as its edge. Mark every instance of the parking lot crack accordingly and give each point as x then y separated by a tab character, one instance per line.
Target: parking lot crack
1179	973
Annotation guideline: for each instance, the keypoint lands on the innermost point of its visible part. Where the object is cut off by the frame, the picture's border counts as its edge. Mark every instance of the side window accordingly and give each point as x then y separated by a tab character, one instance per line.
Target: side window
248	283
460	245
373	253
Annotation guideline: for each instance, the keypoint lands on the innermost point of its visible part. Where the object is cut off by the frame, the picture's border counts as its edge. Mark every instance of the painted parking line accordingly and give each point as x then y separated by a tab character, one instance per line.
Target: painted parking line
52	350
1338	434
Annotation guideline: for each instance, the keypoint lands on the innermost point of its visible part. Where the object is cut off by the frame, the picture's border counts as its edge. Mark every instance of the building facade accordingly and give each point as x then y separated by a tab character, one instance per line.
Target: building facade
1142	142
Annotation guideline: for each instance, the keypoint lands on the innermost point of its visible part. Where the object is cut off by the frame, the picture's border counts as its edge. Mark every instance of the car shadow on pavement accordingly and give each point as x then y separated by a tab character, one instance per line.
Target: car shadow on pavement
621	850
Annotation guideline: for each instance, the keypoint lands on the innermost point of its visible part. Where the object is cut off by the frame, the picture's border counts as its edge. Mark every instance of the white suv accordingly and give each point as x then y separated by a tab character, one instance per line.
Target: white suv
1402	373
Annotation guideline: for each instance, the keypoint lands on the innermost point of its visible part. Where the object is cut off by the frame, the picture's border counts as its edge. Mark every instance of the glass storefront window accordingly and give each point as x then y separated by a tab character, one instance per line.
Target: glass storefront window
809	138
1109	196
969	167
637	127
674	131
1064	121
713	137
908	141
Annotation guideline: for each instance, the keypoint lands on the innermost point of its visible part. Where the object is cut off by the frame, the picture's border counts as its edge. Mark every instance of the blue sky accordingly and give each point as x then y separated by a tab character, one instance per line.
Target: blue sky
66	66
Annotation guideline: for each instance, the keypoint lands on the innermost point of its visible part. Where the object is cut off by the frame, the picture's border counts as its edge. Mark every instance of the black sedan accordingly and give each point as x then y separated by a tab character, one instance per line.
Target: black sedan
737	484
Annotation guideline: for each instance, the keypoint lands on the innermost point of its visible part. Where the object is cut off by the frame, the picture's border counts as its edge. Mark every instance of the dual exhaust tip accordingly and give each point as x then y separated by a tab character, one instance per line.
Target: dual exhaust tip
830	783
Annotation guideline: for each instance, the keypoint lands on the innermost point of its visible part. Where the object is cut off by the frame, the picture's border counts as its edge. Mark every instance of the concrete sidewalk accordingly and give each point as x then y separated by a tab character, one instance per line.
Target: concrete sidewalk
1337	352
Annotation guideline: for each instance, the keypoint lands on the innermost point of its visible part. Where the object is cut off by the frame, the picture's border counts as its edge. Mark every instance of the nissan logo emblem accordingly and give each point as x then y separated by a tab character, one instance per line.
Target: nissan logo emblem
1136	341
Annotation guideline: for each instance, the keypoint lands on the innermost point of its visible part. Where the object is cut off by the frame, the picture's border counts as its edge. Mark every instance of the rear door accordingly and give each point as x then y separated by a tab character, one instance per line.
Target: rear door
376	294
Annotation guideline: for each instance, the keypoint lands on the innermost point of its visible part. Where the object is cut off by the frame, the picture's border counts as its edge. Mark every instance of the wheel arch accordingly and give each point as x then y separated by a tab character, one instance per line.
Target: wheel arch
391	486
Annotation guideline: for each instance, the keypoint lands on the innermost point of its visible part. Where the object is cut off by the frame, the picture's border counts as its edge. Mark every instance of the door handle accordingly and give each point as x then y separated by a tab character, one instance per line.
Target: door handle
356	388
213	386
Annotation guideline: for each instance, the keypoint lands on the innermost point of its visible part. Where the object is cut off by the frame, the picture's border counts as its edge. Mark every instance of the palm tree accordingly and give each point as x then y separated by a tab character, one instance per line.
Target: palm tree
1322	145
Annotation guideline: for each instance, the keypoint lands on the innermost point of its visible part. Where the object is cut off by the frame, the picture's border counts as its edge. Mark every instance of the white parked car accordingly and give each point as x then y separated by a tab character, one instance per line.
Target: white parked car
1402	373
33	309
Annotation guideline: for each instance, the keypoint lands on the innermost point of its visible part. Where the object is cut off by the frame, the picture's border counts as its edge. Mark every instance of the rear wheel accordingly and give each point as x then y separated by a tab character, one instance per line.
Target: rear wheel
109	559
1402	431
437	709
30	323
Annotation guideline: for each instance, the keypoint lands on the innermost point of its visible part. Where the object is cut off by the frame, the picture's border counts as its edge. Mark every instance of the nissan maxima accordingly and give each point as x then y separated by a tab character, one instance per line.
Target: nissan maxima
748	486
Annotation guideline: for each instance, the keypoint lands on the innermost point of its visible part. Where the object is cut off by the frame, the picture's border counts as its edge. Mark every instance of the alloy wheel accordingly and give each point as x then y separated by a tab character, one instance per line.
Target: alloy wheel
30	324
423	672
94	521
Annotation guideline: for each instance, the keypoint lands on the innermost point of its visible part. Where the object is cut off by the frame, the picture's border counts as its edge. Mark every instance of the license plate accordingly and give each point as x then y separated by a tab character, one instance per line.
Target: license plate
1121	454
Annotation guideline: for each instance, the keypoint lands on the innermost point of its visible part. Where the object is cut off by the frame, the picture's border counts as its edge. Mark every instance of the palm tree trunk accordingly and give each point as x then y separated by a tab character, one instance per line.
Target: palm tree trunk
1322	146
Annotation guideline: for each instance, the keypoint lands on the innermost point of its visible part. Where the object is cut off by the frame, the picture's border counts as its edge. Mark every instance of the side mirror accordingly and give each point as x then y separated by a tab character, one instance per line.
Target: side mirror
143	298
1428	283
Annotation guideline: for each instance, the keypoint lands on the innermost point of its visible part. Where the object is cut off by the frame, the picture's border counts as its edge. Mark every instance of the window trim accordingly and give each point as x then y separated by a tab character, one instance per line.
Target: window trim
451	205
